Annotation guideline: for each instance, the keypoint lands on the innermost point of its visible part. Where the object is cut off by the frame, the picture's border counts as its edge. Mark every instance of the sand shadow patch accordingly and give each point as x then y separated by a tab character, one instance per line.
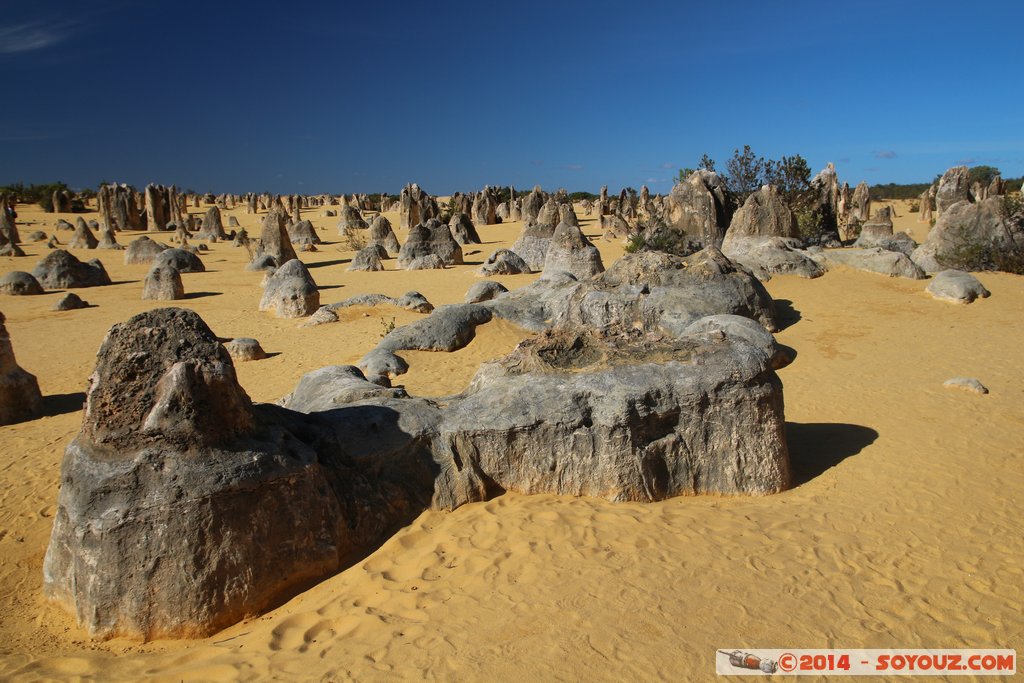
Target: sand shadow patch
61	404
816	447
200	295
785	315
324	264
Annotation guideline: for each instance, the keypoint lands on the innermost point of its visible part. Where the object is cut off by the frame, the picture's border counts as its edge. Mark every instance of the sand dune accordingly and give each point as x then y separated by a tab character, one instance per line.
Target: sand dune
903	530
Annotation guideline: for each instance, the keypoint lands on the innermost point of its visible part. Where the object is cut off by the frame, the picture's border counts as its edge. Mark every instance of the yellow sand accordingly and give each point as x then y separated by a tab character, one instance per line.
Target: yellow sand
904	530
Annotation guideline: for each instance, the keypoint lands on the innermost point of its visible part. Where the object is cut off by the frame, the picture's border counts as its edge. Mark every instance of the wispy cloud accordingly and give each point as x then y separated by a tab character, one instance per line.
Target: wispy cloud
844	160
574	167
668	164
965	162
33	35
885	154
537	162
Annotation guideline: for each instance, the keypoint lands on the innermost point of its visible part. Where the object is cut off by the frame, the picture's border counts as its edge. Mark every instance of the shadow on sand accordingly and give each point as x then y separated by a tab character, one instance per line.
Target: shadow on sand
785	314
817	447
60	404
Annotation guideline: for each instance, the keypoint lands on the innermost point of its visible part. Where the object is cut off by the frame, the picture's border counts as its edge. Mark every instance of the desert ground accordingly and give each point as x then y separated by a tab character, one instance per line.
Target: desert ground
903	529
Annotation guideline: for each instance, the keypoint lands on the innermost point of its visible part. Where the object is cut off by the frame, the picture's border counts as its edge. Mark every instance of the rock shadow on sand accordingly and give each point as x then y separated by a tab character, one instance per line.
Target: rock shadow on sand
816	447
61	404
785	314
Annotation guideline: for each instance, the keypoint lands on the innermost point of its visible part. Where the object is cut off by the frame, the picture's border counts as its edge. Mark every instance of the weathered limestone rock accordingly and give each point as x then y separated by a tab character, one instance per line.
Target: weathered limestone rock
532	204
8	227
927	205
36	236
20	398
381	233
60	270
212	228
430	238
861	203
962	235
463	230
19	283
163	283
768	256
291	292
877	260
349	218
156	211
303	232
485	208
426	262
876	230
274	241
826	185
695	209
504	262
244	349
967	384
532	245
571	252
484	291
954	186
447	328
367	259
764	214
70	302
181	260
108	240
956	286
83	238
143	250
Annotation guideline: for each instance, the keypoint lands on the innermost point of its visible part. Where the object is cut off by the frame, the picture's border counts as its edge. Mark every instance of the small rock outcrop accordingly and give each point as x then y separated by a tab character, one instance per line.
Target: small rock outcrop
966	235
291	292
213	228
143	250
367	259
764	214
19	283
768	256
877	260
503	262
954	186
532	245
61	270
20	398
181	260
463	230
876	230
381	233
70	302
967	384
956	286
274	240
569	251
484	291
303	232
163	283
244	349
83	237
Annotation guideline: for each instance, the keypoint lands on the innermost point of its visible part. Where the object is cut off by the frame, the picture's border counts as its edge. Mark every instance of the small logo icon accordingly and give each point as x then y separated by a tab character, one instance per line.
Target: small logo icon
744	660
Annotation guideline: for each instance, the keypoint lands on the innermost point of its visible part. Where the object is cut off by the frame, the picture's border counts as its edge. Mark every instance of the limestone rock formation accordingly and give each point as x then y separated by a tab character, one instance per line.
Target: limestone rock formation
291	292
571	252
860	209
83	238
108	240
61	270
367	259
303	232
213	227
181	260
19	283
143	250
349	218
382	233
763	214
274	240
484	291
970	384
504	262
485	207
768	256
877	260
163	283
695	209
70	302
426	262
430	238
20	398
956	286
463	230
954	186
244	349
532	245
965	234
876	230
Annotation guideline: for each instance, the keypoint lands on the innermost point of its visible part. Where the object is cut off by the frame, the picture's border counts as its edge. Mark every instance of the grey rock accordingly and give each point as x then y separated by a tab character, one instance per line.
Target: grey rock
382	362
463	230
447	328
427	262
37	236
108	240
274	240
695	209
335	386
956	286
954	187
763	214
382	234
244	349
532	245
962	235
430	238
349	218
213	228
291	292
20	398
264	262
83	237
61	270
877	260
70	302
571	252
967	384
19	283
767	256
303	232
181	260
367	259
411	301
143	250
484	291
876	230
163	283
503	262
901	242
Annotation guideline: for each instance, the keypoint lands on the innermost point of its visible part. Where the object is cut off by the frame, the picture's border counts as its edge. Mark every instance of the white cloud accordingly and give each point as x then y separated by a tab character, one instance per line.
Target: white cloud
32	35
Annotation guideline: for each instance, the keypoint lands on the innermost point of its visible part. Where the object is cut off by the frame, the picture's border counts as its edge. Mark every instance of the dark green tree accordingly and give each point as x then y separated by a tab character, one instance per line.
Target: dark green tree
744	173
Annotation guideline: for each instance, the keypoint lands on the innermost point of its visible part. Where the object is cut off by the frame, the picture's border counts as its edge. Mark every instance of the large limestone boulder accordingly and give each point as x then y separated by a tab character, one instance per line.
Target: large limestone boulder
463	230
181	260
163	283
877	260
967	235
83	237
571	252
381	233
503	262
957	287
768	256
61	270
349	218
532	245
19	283
695	209
303	233
213	226
20	398
274	239
368	259
430	238
143	250
876	230
954	186
764	214
291	292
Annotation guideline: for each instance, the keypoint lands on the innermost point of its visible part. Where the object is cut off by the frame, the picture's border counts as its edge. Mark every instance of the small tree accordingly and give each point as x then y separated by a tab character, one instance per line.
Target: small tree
791	175
744	173
706	163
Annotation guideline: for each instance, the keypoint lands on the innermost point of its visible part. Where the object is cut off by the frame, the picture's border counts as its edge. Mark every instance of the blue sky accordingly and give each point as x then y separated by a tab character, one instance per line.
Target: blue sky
364	97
